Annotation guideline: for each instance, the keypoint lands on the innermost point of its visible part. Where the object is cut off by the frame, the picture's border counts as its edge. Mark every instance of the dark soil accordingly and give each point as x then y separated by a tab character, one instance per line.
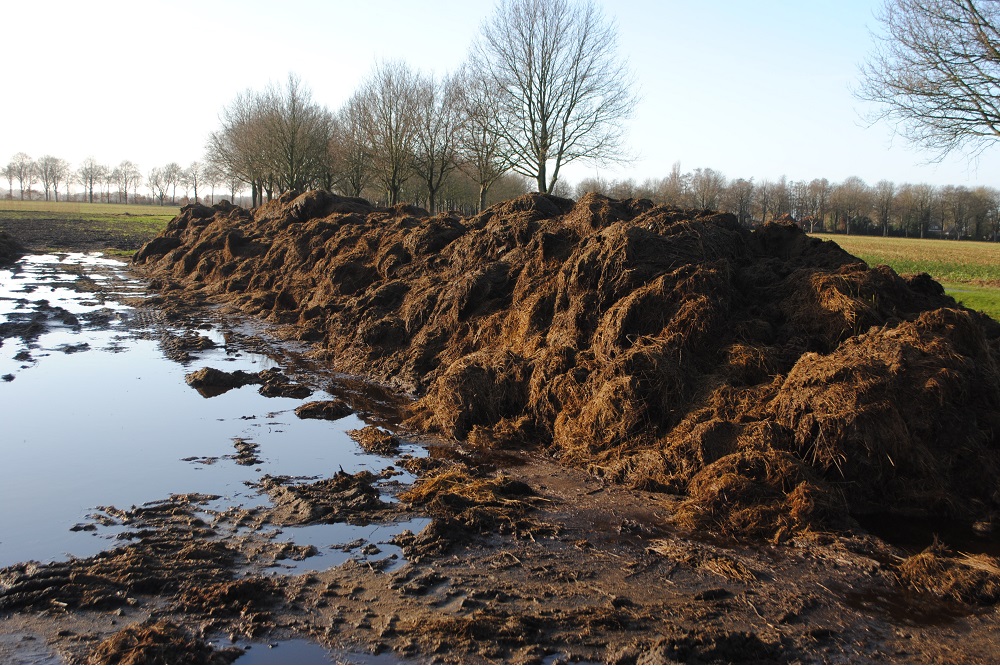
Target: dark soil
10	249
44	235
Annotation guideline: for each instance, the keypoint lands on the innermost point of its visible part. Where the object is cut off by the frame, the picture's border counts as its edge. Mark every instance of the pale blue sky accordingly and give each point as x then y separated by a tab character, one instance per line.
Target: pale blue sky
751	89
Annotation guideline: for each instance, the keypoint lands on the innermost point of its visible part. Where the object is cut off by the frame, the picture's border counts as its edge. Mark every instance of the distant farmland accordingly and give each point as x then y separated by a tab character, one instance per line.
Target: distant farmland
73	225
968	270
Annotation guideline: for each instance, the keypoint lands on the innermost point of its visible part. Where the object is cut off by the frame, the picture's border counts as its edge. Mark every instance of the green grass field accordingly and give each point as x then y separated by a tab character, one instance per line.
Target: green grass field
119	229
969	271
75	210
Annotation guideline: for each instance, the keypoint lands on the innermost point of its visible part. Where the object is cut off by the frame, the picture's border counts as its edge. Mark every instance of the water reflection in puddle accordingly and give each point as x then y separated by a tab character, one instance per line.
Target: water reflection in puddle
302	651
93	414
337	543
296	651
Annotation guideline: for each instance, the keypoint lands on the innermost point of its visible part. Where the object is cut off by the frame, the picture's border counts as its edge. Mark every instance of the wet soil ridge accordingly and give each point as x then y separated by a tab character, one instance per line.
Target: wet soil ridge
774	380
10	249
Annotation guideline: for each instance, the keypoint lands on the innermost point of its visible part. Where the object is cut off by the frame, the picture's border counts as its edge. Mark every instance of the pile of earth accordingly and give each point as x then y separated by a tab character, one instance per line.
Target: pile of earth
774	380
10	249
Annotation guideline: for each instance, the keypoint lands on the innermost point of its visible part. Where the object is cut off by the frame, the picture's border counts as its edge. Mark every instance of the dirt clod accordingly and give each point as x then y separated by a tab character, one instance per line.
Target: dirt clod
159	643
10	249
375	440
330	410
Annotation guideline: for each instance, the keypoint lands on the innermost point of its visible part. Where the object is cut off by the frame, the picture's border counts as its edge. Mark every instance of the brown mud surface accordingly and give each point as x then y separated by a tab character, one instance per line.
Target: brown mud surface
651	435
61	235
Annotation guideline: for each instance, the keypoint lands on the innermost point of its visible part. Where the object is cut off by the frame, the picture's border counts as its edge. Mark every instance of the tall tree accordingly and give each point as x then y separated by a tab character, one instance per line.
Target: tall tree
212	178
936	71
10	173
193	176
47	165
157	184
885	196
350	155
61	174
26	172
436	139
387	106
707	186
564	93
297	135
738	199
238	148
89	174
481	147
127	176
171	175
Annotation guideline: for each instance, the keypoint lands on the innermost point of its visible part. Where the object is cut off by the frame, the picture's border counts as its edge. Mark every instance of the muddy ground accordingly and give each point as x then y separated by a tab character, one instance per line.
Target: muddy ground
62	235
527	559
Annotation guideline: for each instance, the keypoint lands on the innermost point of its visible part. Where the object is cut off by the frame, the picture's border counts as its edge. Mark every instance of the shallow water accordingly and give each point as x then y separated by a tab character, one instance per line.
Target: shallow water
92	413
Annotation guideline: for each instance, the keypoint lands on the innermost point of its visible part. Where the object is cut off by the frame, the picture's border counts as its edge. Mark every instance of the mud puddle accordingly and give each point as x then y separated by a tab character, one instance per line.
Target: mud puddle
96	413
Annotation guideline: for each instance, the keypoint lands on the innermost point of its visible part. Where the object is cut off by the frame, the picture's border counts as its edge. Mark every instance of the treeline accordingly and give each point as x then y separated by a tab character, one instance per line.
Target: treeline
402	136
51	178
103	183
542	87
851	206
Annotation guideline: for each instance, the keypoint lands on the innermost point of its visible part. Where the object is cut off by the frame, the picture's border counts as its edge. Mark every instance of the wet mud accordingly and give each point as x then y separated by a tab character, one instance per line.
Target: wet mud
526	551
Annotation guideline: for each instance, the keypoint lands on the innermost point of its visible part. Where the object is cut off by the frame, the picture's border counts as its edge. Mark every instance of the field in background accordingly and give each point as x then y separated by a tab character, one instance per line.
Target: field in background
968	270
67	225
15	208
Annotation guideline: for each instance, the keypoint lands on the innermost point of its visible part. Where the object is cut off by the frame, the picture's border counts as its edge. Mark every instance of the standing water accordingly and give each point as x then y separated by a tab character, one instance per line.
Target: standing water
94	413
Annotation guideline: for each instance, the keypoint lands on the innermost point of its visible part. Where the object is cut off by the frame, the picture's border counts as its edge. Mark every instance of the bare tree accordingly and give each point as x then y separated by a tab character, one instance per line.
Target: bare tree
192	176
387	106
238	149
157	184
707	186
851	201
884	195
481	146
61	174
819	199
738	199
171	175
673	190
564	93
936	72
108	179
127	176
437	133
45	166
297	133
213	178
25	171
349	154
89	173
10	173
763	199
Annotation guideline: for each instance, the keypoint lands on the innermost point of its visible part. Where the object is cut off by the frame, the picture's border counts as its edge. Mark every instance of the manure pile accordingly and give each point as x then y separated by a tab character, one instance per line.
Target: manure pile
10	249
772	379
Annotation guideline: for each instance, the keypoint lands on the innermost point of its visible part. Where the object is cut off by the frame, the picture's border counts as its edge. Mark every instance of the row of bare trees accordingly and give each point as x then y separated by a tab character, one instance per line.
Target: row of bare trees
48	171
851	206
542	87
104	183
